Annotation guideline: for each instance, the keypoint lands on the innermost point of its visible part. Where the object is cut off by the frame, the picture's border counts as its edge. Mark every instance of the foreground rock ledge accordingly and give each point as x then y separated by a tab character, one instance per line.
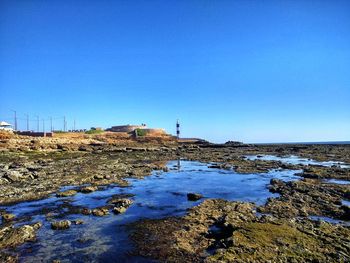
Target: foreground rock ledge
223	231
11	236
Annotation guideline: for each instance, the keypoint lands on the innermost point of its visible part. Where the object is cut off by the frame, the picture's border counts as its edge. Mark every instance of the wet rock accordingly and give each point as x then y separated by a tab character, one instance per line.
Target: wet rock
8	217
102	211
61	225
194	196
66	193
346	214
120	202
11	237
89	189
78	222
119	210
233	233
8	258
86	211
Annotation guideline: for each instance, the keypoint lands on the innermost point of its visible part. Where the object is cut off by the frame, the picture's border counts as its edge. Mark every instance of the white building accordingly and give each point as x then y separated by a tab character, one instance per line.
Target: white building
4	126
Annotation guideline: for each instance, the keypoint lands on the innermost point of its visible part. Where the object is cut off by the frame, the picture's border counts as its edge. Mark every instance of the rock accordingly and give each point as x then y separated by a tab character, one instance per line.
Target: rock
11	237
8	217
13	176
78	222
66	193
89	189
61	225
84	148
99	177
194	196
346	215
86	211
119	210
102	211
8	258
120	202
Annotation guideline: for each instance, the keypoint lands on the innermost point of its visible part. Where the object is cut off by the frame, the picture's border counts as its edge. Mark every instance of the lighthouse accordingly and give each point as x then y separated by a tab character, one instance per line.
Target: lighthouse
177	129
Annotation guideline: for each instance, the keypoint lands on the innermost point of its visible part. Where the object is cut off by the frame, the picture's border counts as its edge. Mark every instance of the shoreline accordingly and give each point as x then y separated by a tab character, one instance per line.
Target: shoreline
28	175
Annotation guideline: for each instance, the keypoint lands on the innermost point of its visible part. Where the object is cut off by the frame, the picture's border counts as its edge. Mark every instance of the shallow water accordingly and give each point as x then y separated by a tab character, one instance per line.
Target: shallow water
336	181
105	239
295	160
329	220
345	202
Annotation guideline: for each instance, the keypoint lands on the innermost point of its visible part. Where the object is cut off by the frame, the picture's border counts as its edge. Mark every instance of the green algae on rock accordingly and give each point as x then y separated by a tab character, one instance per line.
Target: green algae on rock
242	237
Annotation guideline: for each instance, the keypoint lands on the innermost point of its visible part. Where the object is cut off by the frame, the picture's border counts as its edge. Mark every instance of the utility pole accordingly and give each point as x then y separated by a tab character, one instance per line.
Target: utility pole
15	119
51	124
74	125
64	123
177	129
43	125
37	124
27	122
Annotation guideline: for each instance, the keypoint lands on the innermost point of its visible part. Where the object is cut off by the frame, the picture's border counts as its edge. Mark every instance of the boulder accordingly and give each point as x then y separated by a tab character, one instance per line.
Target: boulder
119	210
194	196
102	211
120	202
61	225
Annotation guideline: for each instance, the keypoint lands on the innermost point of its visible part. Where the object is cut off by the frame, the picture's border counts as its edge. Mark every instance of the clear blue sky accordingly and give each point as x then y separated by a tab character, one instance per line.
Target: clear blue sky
254	71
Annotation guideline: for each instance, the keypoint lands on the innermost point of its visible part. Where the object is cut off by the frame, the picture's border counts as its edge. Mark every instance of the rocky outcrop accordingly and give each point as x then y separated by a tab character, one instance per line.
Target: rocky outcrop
11	237
223	231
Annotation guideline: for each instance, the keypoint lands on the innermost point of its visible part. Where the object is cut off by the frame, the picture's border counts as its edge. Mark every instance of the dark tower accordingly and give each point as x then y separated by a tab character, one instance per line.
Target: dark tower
177	129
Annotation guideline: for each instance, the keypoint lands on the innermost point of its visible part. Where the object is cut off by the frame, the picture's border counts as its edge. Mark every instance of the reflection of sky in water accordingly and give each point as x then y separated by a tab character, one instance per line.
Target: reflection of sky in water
296	160
329	220
159	195
336	181
345	202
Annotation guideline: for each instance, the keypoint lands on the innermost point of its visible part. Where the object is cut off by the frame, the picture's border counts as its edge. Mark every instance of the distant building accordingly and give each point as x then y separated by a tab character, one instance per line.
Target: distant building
126	128
133	128
4	126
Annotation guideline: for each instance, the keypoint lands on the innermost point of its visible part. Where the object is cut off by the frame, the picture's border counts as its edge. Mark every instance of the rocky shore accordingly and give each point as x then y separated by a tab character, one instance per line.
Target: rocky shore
215	230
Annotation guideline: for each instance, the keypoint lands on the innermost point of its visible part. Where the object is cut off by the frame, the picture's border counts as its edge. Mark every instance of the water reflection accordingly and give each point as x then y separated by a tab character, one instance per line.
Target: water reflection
159	195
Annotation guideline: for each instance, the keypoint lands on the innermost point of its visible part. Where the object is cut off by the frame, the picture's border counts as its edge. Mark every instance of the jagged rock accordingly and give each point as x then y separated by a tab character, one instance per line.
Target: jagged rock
13	176
119	210
120	202
11	237
61	225
102	211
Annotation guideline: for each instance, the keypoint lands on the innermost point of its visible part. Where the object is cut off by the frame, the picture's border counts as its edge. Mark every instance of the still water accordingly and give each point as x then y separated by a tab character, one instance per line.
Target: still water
162	194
